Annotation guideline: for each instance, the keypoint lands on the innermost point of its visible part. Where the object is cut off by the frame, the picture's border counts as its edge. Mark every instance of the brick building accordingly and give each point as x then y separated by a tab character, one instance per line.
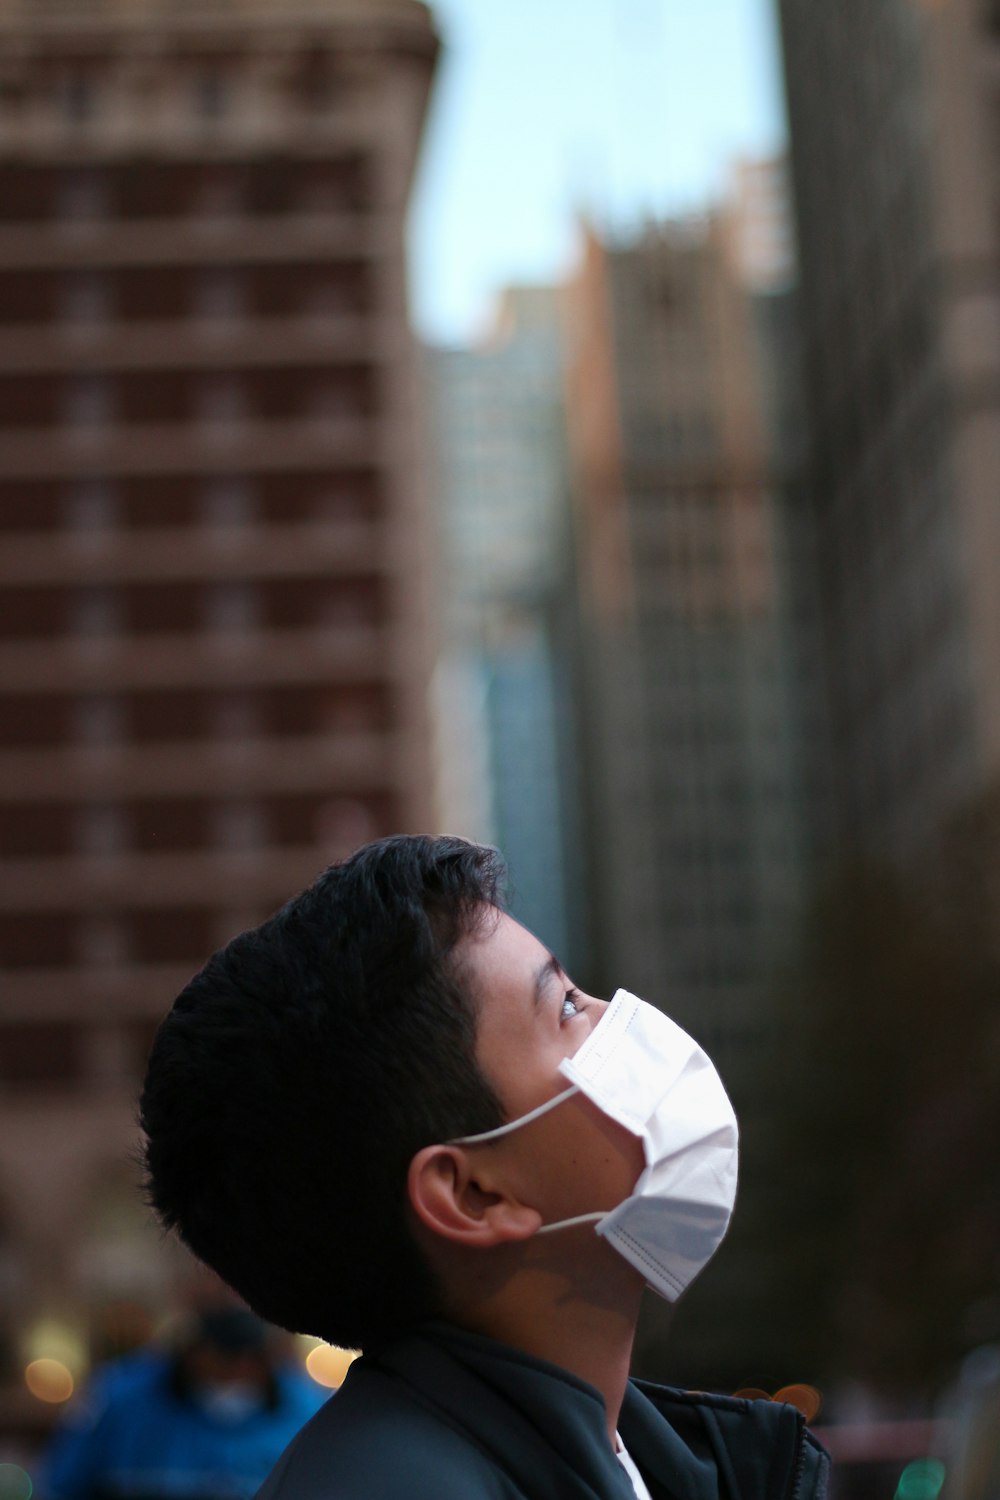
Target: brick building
212	609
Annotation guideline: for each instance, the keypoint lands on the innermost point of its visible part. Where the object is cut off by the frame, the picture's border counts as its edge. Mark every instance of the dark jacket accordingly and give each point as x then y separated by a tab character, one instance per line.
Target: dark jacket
448	1415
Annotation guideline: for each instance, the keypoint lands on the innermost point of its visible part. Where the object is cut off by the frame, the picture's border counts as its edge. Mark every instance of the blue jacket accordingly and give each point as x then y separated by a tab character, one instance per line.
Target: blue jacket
448	1415
130	1437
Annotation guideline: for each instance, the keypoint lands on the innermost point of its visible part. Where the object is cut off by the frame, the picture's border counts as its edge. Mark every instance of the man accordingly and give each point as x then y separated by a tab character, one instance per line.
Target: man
202	1420
388	1118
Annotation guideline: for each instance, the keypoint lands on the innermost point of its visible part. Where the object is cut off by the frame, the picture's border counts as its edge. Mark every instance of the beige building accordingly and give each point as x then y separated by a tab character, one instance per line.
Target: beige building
213	639
686	730
893	106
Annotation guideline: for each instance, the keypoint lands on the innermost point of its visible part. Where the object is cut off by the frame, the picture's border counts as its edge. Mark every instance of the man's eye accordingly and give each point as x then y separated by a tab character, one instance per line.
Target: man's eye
569	1007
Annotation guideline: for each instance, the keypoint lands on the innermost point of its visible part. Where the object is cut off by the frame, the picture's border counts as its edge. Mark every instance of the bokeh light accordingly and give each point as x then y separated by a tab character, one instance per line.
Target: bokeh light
49	1380
806	1397
51	1338
753	1393
15	1483
328	1365
921	1480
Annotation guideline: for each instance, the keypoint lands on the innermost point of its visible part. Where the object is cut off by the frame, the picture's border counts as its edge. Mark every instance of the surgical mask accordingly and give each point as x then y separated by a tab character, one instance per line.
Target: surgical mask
639	1068
229	1402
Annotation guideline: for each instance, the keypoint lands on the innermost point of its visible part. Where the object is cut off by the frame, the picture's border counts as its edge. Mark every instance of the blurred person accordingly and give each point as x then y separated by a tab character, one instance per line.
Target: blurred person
387	1116
204	1419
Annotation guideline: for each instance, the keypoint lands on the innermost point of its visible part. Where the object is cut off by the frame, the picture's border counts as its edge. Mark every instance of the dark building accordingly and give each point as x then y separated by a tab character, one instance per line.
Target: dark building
893	107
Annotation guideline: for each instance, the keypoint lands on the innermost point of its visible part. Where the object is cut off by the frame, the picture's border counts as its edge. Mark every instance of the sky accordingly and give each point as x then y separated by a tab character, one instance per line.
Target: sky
544	110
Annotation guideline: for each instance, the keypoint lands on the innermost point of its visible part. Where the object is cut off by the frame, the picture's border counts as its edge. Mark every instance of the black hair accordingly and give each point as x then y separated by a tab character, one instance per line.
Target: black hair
301	1069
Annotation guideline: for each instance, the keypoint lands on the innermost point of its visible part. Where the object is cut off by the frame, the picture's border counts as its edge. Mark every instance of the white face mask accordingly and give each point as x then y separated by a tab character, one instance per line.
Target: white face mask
643	1071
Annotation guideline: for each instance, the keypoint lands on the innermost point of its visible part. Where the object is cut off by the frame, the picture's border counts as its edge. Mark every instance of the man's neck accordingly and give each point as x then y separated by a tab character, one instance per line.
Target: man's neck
591	1335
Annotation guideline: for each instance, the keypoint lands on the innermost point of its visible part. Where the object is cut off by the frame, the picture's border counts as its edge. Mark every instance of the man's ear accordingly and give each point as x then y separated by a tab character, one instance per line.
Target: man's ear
462	1198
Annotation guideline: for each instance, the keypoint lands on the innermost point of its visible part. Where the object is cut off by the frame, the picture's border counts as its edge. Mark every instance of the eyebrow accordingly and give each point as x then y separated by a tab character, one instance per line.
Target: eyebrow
550	969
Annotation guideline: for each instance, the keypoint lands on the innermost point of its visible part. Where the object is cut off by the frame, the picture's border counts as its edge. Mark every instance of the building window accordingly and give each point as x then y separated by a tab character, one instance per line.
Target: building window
82	196
102	942
95	614
326	299
345	608
227	504
101	830
239	827
90	510
99	720
88	402
85	299
320	88
219	295
322	191
232	608
219	193
331	403
221	403
339	505
211	96
235	716
78	99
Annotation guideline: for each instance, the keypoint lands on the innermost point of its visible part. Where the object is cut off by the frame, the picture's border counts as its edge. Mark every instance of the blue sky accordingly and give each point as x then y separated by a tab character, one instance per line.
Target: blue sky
544	109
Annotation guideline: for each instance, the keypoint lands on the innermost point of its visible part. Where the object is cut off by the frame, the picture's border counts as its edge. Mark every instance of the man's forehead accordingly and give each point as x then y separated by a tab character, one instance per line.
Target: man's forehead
505	962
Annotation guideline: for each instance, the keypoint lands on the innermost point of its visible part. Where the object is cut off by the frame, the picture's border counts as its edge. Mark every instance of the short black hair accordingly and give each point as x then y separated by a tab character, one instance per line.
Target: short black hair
298	1073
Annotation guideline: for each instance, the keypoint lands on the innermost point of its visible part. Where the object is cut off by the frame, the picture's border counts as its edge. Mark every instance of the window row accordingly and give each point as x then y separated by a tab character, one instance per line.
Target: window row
202	92
87	297
334	397
275	604
188	715
43	1054
90	507
150	188
167	825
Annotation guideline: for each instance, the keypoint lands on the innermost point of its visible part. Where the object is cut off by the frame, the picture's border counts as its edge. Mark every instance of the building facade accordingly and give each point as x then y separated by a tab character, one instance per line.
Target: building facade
507	774
893	107
213	634
687	725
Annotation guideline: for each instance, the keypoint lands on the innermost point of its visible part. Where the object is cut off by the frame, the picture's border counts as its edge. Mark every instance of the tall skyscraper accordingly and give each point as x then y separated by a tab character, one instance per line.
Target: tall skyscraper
213	658
687	729
893	107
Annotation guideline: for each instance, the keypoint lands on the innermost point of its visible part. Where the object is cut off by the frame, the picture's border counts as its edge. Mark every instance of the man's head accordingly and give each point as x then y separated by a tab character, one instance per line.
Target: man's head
301	1070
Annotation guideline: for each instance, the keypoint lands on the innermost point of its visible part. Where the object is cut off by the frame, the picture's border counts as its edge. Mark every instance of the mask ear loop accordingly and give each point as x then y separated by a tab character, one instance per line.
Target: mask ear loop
501	1130
594	1218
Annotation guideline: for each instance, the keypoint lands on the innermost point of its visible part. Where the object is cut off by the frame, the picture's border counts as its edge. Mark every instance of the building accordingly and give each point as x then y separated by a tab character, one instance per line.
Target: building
893	108
213	638
506	773
687	725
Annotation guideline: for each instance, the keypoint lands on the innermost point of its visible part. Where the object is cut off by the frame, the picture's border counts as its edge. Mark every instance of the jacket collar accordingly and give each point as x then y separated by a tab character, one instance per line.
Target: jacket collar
547	1428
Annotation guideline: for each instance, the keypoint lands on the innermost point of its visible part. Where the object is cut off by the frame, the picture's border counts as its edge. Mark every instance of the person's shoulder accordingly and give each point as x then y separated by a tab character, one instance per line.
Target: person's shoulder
373	1441
767	1442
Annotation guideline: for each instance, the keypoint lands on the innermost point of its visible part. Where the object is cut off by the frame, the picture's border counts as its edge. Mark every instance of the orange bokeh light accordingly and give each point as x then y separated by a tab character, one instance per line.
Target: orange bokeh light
806	1397
328	1365
49	1380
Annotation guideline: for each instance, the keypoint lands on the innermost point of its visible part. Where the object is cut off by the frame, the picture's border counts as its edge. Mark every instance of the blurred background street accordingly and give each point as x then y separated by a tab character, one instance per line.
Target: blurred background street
575	427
